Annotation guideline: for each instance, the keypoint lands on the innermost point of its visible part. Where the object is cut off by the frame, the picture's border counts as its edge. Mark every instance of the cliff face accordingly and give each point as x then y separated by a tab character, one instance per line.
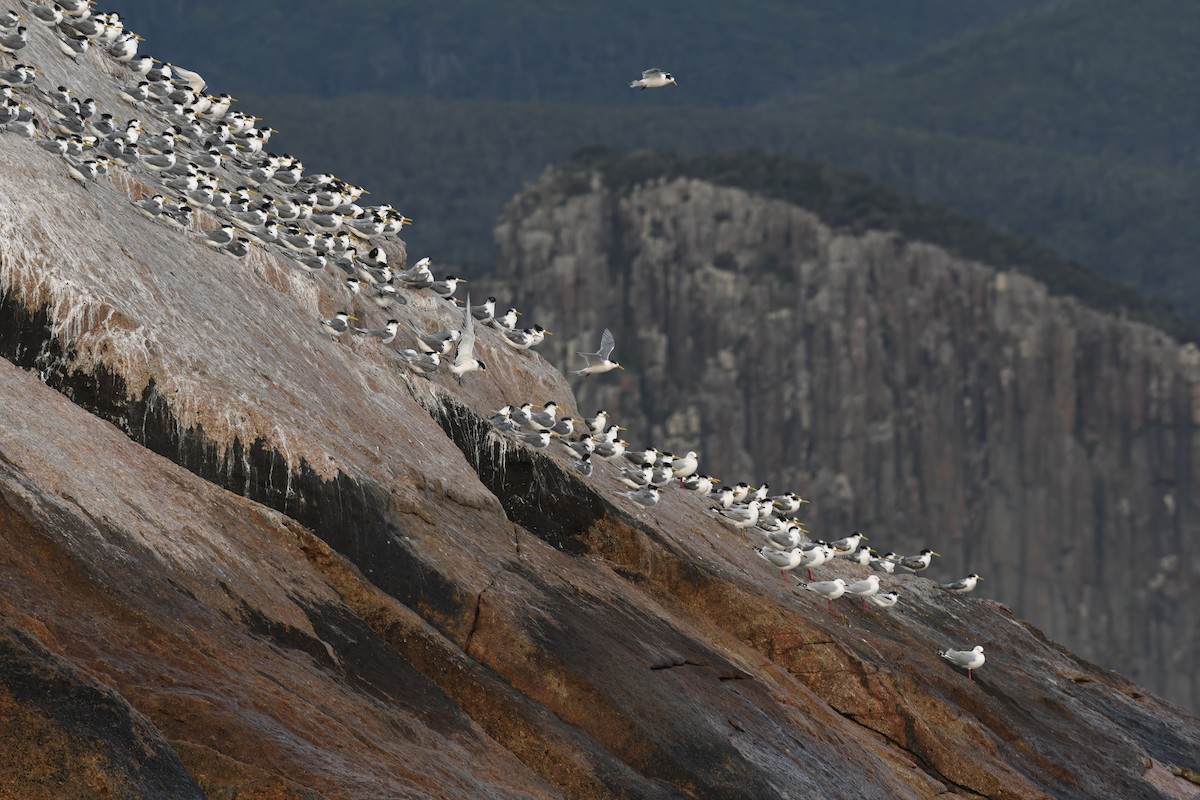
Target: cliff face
924	399
242	560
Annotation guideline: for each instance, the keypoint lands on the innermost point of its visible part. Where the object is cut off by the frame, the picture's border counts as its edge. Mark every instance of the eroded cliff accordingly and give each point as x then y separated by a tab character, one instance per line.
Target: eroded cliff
926	399
243	560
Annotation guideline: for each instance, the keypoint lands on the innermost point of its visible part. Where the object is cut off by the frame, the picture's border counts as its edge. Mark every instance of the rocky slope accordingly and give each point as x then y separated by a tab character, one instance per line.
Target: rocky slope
927	400
242	560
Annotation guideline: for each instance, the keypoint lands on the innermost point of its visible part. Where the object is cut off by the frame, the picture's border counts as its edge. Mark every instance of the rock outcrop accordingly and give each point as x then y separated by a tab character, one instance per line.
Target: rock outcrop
243	560
927	400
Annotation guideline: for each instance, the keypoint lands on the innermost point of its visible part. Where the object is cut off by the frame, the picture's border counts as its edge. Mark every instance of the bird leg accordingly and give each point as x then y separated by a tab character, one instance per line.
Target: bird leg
830	606
786	579
810	577
971	679
864	601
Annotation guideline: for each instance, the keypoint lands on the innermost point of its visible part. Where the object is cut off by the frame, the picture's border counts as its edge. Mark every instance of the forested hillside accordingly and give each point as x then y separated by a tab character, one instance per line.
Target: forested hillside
1068	124
731	54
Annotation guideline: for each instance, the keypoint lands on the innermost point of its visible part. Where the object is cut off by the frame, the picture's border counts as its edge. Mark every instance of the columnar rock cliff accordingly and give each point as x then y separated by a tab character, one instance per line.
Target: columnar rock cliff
923	398
244	560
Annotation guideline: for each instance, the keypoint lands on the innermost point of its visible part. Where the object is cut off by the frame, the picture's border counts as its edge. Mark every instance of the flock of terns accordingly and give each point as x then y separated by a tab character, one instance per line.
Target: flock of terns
315	222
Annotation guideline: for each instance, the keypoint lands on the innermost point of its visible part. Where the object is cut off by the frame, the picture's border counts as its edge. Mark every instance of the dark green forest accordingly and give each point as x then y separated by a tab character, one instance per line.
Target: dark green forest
1069	124
733	54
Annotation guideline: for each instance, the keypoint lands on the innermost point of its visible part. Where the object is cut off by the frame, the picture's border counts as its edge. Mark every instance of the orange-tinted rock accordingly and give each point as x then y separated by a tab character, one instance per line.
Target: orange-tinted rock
298	571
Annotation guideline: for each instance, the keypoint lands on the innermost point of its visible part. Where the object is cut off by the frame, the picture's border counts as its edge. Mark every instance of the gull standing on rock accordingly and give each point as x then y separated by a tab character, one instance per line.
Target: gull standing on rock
918	562
967	659
864	588
386	334
883	600
339	324
830	590
647	497
783	561
965	586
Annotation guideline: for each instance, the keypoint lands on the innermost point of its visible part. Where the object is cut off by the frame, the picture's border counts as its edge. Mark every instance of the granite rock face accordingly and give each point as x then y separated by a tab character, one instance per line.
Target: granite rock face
242	560
923	399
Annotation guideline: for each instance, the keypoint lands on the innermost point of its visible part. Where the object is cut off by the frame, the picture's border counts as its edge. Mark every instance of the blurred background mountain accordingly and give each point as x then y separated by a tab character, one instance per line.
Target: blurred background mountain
1067	124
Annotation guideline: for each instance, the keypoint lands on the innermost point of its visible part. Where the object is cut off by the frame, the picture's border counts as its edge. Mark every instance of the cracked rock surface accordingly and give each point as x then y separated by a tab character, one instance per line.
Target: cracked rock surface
242	560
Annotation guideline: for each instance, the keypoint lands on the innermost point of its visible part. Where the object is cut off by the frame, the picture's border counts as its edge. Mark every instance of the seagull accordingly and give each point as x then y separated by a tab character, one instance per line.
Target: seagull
886	563
647	497
582	448
788	503
815	556
725	497
535	439
686	466
653	78
849	544
73	46
864	588
918	562
421	363
965	586
883	600
647	457
19	75
438	342
14	41
152	208
609	434
386	334
597	423
607	343
781	560
219	237
860	556
521	413
26	127
83	173
47	16
506	321
524	339
446	287
785	538
699	483
611	450
239	248
968	659
546	417
583	466
830	590
339	324
636	477
740	517
486	312
464	359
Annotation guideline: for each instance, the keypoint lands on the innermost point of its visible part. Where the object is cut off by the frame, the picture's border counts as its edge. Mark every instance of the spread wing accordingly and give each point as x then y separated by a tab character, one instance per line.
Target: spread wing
466	344
607	343
653	71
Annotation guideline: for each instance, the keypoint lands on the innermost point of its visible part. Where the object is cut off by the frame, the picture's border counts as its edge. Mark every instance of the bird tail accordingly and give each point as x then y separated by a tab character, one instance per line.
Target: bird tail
634	84
581	371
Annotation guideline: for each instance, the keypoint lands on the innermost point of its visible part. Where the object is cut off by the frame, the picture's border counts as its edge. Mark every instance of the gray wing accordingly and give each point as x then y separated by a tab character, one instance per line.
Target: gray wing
960	657
466	344
607	343
650	72
956	585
